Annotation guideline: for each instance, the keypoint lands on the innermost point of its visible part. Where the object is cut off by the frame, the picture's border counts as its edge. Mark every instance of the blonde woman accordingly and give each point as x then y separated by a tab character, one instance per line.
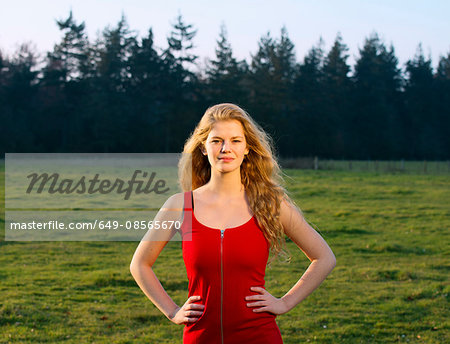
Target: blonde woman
234	212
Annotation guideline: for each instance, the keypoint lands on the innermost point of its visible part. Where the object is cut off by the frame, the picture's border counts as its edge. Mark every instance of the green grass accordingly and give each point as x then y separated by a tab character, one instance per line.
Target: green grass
390	234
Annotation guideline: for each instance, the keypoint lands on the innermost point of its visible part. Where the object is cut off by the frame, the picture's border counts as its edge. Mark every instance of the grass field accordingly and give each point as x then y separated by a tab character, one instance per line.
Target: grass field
390	235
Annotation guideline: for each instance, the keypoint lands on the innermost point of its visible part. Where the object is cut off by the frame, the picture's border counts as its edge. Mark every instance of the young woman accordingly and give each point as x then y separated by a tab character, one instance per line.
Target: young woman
234	212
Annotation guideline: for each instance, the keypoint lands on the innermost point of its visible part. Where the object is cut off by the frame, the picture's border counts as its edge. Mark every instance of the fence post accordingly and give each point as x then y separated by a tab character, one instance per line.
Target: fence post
316	163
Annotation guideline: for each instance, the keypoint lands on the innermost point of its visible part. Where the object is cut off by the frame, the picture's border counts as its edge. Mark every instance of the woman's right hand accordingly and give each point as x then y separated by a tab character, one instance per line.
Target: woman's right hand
188	313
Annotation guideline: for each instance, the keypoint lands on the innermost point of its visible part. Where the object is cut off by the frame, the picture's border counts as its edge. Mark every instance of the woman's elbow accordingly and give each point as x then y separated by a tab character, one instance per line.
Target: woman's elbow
134	266
138	265
332	260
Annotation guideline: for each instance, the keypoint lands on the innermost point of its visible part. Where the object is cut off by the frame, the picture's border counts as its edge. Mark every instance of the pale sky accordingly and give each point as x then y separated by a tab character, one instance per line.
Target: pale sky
404	23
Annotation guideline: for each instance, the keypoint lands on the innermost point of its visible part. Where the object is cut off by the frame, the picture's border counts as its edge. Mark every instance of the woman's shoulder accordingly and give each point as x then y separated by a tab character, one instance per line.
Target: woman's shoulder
175	201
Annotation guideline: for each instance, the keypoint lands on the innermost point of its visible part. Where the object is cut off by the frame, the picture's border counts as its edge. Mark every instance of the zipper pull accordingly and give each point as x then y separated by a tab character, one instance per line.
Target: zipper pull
222	231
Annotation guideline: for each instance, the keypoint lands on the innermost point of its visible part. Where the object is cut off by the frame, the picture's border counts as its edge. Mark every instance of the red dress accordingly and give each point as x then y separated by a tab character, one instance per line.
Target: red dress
221	267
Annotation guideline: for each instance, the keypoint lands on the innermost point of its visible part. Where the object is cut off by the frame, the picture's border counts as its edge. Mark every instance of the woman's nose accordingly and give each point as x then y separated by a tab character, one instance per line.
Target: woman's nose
225	146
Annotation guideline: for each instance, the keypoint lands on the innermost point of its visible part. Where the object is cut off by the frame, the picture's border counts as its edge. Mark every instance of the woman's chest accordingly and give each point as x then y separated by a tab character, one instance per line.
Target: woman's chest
242	248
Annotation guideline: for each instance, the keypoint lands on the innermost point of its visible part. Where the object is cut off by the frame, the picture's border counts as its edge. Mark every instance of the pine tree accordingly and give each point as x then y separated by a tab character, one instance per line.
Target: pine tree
18	101
442	82
284	59
146	94
69	59
337	92
65	85
272	74
420	107
110	129
376	123
113	51
180	45
309	95
225	73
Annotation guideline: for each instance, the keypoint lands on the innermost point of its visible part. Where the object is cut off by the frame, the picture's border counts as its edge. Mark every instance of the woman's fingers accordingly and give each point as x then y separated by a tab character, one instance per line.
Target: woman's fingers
264	302
195	306
192	311
189	312
255	297
261	296
258	303
262	309
193	299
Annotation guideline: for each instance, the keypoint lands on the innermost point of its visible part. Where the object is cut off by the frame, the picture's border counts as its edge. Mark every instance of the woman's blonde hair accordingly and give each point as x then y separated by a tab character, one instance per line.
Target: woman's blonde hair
260	172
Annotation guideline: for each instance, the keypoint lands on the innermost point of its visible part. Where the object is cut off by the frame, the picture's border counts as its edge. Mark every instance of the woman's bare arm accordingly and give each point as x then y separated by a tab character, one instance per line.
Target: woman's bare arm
146	254
313	246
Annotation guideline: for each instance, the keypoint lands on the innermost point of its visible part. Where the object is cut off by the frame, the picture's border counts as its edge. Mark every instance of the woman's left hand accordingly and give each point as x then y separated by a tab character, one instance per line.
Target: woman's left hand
266	302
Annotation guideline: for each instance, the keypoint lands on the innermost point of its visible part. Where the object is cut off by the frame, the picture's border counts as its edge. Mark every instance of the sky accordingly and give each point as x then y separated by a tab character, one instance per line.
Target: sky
402	23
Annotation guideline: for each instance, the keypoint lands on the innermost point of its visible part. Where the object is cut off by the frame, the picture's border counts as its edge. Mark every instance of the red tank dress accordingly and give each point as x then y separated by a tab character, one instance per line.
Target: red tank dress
221	266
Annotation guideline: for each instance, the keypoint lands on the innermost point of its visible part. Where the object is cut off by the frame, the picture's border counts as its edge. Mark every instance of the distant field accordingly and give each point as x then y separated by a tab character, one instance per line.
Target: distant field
375	166
389	232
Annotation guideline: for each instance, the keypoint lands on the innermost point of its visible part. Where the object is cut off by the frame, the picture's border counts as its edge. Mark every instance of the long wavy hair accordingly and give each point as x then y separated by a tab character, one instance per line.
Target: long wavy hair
260	172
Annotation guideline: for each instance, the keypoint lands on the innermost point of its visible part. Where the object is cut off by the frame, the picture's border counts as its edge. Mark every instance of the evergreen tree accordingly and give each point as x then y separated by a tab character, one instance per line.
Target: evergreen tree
110	130
284	74
309	91
261	101
376	124
442	85
421	117
225	74
146	94
113	51
70	58
272	72
284	61
65	85
182	93
18	102
337	93
180	45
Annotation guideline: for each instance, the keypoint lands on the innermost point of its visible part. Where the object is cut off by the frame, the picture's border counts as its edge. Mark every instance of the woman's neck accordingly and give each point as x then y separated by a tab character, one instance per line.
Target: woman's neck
226	183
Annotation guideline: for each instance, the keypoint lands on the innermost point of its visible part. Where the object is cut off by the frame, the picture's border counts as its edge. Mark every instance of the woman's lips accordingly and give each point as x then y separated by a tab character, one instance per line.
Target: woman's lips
226	159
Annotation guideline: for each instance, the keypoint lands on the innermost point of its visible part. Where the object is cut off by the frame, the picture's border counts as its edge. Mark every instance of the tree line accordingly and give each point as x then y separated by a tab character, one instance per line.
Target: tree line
121	93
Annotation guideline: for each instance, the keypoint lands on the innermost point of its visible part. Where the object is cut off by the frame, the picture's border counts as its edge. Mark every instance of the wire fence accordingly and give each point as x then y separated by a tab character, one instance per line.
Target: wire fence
382	166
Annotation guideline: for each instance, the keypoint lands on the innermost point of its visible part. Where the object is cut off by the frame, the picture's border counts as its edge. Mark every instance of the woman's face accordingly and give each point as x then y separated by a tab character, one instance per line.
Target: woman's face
226	146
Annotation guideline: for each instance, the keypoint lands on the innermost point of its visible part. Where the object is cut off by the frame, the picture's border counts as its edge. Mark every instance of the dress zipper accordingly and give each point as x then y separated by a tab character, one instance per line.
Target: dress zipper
222	232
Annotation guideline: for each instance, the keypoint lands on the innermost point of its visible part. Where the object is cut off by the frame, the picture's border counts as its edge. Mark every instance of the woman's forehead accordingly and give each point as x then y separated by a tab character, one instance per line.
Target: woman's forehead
227	126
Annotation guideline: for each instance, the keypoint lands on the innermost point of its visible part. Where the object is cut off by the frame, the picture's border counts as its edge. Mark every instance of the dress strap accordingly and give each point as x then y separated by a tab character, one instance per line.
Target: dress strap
186	227
188	201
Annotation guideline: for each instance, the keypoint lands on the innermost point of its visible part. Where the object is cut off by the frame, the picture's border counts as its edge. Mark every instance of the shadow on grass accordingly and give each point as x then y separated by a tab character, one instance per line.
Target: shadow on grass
149	319
393	248
344	230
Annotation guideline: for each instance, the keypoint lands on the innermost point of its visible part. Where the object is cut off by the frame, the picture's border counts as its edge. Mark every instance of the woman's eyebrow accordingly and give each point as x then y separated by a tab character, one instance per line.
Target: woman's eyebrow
234	137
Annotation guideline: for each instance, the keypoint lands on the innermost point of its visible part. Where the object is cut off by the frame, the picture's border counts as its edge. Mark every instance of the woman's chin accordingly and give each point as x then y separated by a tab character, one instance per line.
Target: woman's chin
226	169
